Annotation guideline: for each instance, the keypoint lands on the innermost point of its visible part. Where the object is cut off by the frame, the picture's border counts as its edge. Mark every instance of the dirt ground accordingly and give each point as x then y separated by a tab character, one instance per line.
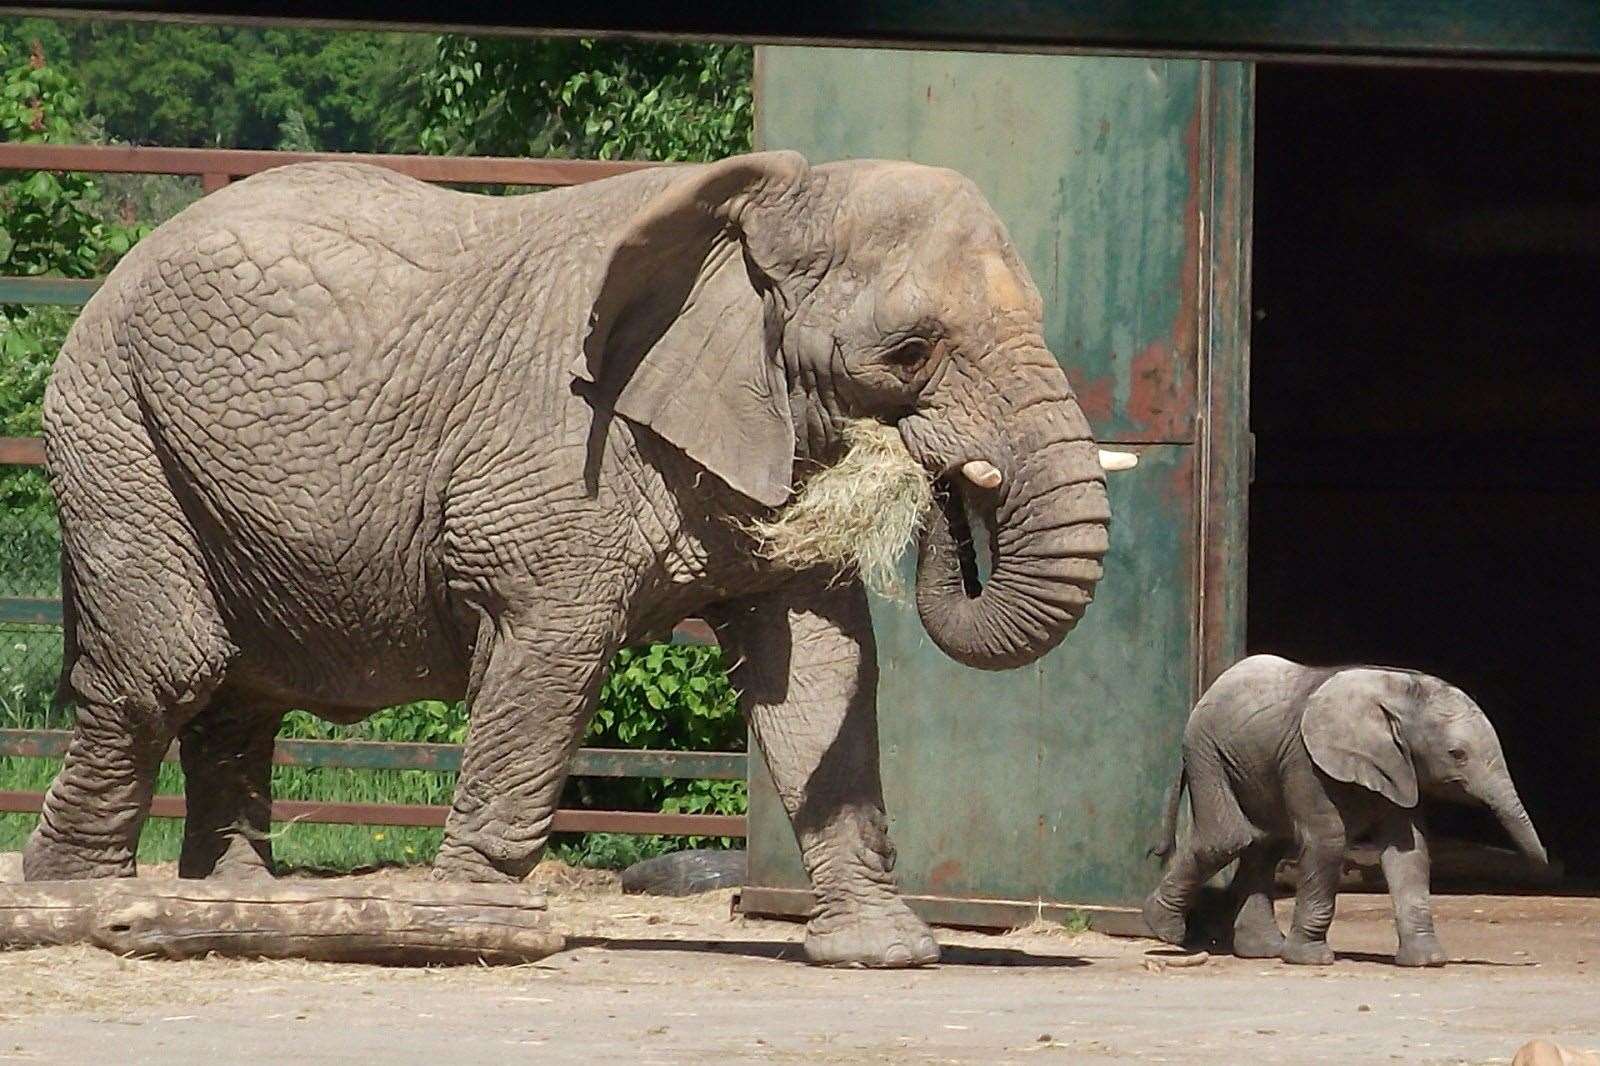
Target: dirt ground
647	980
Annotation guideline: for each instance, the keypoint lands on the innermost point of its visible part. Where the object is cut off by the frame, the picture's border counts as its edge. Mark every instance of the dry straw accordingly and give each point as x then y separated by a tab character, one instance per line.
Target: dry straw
861	514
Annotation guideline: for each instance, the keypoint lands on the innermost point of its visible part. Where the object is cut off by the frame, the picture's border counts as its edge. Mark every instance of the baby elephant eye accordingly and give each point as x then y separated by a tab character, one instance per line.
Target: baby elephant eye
910	353
1459	754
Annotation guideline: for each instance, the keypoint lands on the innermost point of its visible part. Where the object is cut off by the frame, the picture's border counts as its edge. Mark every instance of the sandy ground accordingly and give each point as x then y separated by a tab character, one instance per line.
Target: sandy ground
648	980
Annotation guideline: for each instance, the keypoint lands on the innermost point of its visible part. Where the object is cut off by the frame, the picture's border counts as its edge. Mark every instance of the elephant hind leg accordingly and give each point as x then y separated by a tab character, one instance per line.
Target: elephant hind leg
1221	833
93	811
148	649
1256	934
227	769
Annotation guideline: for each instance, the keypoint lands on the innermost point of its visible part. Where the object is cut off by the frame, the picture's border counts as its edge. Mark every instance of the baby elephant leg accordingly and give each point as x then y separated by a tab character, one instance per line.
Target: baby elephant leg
1221	833
1255	928
1405	868
1321	861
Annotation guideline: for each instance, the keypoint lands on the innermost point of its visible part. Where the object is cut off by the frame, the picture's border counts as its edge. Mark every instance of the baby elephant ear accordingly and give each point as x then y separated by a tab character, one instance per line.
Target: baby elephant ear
1350	727
677	338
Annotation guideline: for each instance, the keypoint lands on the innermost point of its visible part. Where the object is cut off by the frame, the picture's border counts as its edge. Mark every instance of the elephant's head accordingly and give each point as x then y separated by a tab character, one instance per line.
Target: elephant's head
1402	734
758	305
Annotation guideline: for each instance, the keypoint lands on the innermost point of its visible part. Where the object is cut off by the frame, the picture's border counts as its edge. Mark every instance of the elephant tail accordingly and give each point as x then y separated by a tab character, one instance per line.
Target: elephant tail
65	694
1169	819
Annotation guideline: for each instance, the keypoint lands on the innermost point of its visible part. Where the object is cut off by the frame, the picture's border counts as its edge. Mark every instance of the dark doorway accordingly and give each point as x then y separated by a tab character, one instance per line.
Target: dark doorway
1426	402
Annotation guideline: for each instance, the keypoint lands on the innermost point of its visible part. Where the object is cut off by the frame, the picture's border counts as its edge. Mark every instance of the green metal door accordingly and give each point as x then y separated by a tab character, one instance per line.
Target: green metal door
1044	785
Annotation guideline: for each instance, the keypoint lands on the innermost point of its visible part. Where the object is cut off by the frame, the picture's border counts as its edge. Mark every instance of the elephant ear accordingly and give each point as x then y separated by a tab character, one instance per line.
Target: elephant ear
677	337
1351	728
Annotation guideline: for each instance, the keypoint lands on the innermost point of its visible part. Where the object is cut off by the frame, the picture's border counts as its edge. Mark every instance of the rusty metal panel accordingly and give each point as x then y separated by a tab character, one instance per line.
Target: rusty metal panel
1117	692
1045	784
1228	449
1091	163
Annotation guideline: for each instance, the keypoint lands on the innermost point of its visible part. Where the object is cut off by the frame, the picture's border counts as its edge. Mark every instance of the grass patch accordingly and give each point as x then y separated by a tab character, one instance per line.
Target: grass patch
670	696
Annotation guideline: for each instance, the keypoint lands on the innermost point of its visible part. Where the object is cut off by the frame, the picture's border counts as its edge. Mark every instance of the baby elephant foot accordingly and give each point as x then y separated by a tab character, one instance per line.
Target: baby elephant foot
1421	950
1258	943
883	938
242	870
1307	952
1166	923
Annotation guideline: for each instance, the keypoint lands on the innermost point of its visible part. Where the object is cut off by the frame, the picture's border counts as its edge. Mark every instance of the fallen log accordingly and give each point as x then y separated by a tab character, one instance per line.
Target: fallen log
389	924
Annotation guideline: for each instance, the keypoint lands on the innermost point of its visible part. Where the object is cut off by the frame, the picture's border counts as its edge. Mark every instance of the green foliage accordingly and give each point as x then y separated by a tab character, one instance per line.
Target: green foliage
49	224
236	87
1076	923
587	99
304	90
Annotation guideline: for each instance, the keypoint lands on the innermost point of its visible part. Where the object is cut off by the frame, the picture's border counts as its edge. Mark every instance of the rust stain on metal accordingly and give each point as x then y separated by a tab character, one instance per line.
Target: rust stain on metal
1159	377
1178	486
1097	400
940	877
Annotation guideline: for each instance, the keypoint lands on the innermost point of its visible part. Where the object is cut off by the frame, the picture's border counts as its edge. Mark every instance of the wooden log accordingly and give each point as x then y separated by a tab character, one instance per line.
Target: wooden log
425	924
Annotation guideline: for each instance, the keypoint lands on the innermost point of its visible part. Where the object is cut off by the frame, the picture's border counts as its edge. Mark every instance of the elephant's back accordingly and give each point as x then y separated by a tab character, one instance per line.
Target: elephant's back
1242	715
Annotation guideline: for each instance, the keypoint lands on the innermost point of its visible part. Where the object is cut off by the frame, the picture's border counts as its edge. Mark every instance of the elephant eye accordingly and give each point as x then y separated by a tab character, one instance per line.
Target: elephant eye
1458	753
910	353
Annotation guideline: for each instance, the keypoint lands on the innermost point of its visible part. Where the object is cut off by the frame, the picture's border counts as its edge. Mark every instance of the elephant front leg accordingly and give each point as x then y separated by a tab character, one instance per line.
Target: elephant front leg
1321	862
227	772
1404	858
534	690
808	677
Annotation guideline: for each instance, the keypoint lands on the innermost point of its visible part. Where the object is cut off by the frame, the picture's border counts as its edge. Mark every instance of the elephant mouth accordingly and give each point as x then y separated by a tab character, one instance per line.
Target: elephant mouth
971	528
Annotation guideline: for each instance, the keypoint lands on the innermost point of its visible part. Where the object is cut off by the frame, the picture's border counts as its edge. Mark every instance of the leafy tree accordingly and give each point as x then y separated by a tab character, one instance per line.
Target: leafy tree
589	99
49	224
291	89
235	87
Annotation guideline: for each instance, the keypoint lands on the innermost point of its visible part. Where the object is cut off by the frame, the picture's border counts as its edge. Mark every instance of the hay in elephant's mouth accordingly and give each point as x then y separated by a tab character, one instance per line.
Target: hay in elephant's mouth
860	514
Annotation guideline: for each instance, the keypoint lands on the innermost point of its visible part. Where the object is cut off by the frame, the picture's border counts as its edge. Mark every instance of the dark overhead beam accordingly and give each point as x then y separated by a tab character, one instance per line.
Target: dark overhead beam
1501	32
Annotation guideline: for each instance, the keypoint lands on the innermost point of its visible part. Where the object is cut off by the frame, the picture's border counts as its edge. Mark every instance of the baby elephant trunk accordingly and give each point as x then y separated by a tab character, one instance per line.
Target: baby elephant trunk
1501	797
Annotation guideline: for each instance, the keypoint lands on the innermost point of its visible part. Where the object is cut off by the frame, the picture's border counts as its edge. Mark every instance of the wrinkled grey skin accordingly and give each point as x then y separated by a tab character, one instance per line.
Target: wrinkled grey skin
335	439
1276	753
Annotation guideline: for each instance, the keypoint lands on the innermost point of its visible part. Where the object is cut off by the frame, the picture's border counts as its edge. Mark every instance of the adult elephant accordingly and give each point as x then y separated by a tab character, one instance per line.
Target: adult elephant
335	439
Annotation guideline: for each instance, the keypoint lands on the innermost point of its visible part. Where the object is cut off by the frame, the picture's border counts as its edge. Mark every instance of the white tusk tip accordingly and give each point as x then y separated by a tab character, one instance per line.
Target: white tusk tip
1118	460
982	474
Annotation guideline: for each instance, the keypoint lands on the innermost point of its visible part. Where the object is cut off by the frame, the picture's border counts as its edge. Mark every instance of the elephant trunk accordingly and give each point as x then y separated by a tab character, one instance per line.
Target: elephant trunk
1044	526
1501	798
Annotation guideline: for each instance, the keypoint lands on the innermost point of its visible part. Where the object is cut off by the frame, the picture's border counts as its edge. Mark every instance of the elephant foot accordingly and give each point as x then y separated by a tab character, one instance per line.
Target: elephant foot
1165	923
1251	943
46	859
883	938
462	863
1420	951
242	870
238	861
1307	952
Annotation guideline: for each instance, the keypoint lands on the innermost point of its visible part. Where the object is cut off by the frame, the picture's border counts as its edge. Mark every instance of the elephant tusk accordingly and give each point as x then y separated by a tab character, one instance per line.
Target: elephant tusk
1118	460
982	474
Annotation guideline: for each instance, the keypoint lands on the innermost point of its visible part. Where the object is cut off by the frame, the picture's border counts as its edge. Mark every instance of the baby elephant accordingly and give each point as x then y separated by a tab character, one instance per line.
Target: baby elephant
1278	753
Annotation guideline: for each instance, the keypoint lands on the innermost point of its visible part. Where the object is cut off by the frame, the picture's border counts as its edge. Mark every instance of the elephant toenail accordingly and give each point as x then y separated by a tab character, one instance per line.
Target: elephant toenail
898	955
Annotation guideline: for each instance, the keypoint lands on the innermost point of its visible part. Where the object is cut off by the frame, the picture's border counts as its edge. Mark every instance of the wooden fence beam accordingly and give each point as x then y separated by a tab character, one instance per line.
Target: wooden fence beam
393	924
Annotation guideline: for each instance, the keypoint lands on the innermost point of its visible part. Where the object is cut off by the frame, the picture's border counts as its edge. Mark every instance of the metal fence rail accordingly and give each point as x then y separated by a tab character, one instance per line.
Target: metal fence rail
216	168
375	755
